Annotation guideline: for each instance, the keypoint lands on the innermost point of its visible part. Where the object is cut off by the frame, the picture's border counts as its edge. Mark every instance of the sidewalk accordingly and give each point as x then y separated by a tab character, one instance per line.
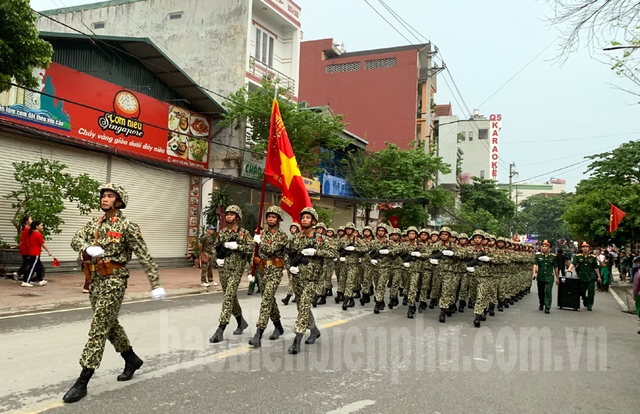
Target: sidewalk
66	289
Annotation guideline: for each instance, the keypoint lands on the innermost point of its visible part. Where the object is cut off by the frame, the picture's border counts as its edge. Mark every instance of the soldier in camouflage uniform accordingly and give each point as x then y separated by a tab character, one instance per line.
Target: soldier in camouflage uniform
206	252
448	269
350	258
320	298
480	270
412	253
504	273
107	243
308	249
436	280
293	229
426	269
365	263
233	245
272	243
465	276
329	265
382	259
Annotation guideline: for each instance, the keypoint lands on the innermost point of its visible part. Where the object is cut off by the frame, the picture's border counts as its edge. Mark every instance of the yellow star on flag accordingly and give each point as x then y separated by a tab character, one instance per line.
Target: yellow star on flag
289	168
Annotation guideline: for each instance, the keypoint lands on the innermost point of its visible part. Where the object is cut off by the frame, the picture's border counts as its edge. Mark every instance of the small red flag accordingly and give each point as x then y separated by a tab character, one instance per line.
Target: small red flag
56	262
282	169
615	218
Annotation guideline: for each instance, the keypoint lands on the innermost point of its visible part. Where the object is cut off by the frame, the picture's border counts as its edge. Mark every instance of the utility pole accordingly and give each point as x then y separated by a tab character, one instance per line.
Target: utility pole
512	173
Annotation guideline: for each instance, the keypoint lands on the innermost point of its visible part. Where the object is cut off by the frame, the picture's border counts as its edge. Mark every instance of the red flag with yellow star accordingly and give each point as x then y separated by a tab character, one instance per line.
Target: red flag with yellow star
615	218
281	167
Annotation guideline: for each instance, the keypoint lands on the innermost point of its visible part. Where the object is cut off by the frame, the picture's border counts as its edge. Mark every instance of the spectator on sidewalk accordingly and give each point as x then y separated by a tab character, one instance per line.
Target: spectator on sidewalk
206	257
25	225
625	264
605	271
35	244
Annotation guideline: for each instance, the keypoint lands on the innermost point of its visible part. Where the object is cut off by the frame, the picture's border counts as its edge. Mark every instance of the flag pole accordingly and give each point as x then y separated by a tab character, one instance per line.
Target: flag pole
252	284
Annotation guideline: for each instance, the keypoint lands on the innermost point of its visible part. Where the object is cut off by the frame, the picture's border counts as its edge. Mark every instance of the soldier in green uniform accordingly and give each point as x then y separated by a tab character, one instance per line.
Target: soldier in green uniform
341	269
588	270
269	265
330	265
321	297
383	261
293	229
350	258
232	247
107	243
465	276
546	271
206	256
364	246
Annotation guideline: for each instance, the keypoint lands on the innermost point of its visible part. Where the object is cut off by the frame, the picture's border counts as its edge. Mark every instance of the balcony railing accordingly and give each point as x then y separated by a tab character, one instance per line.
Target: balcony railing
262	70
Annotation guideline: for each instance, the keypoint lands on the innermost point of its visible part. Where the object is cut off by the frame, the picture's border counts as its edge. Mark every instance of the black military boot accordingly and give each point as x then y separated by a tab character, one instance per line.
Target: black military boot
242	325
322	300
329	292
256	341
422	307
461	305
371	292
79	389
351	303
483	317
364	299
295	347
345	304
294	300
315	334
285	300
400	292
217	336
476	321
411	312
131	364
279	330
393	302
339	297
500	306
511	301
515	298
492	309
405	301
442	316
506	304
356	294
379	306
452	309
314	301
433	303
470	305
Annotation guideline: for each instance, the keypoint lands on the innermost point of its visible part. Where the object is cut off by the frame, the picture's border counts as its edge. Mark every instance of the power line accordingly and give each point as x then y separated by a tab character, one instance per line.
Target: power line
572	139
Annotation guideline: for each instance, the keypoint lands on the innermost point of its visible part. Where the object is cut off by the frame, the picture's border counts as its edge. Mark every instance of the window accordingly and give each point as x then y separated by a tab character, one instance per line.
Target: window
483	134
98	25
175	16
462	136
481	173
342	67
380	63
470	135
264	47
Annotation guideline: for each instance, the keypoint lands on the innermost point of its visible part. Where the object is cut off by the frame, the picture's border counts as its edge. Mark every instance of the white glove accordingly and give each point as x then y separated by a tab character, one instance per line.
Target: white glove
158	293
350	248
434	261
384	251
220	262
406	264
335	260
374	262
257	239
308	251
250	278
484	258
231	245
95	251
471	269
416	254
447	253
294	270
342	259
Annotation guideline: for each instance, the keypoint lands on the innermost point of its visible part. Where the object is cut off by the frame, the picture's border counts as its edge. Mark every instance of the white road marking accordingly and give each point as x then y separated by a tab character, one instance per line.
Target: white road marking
353	407
616	297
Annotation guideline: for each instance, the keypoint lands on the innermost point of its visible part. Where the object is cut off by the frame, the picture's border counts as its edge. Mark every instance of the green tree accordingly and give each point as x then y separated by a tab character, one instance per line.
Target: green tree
615	178
308	130
545	217
399	174
21	49
487	207
44	188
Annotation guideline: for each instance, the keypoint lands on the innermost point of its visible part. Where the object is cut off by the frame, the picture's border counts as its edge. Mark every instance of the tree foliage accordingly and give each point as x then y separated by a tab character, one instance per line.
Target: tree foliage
399	174
615	178
307	129
44	188
21	49
544	216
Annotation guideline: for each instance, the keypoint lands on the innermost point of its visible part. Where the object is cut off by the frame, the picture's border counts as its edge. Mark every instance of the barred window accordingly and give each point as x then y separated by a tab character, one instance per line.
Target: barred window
380	63
342	67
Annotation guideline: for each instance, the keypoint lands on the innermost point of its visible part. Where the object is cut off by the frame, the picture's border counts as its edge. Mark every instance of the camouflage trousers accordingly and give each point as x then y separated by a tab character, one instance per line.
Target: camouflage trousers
352	270
426	278
465	281
396	280
503	287
229	281
450	283
436	284
106	295
268	283
413	285
486	287
329	267
341	275
206	272
493	295
383	274
305	290
368	273
473	288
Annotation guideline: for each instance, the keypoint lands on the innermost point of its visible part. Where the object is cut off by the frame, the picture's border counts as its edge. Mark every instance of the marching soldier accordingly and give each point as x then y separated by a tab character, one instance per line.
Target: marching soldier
232	247
396	266
341	269
269	265
383	261
293	229
464	276
426	269
368	267
321	296
588	271
544	269
350	259
107	244
206	253
330	265
478	267
413	252
446	272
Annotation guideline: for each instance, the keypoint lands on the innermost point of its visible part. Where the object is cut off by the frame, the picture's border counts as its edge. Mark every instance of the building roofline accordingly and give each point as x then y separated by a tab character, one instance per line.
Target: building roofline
354	136
90	6
381	51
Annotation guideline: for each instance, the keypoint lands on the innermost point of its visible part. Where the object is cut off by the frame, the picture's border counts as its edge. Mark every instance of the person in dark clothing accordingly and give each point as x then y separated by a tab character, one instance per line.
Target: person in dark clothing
561	261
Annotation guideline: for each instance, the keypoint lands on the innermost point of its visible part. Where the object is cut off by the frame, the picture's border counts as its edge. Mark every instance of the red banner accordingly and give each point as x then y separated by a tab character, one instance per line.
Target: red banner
615	218
76	105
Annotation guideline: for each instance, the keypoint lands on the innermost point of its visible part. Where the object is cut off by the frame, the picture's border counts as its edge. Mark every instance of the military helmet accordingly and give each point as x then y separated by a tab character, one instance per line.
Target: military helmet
322	225
412	228
424	231
119	190
331	229
478	233
295	224
396	231
463	236
275	210
445	230
382	226
341	228
367	228
350	225
491	236
234	209
454	234
432	232
310	210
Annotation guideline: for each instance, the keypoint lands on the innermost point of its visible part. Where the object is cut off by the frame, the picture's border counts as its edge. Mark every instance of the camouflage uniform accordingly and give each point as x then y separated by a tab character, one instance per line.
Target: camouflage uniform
206	272
447	275
120	239
272	246
351	261
328	269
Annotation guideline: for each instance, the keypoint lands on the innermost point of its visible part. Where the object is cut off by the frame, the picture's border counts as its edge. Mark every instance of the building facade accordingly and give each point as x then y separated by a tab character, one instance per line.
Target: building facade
385	94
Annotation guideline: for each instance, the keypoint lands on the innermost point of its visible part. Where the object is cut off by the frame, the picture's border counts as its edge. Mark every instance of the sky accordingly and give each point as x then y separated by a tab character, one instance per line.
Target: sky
554	113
